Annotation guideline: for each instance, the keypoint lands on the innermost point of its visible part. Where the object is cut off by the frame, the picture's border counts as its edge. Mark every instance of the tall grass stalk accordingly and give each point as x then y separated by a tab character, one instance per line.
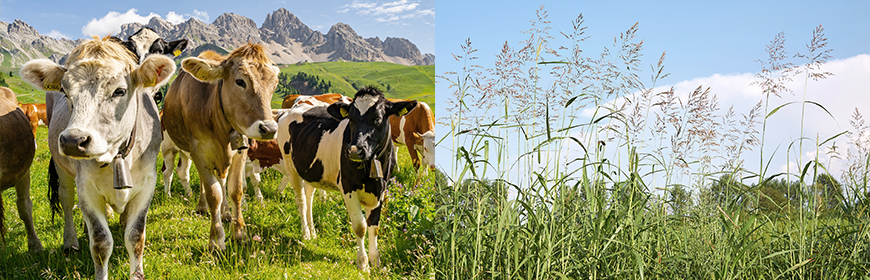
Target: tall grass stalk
605	197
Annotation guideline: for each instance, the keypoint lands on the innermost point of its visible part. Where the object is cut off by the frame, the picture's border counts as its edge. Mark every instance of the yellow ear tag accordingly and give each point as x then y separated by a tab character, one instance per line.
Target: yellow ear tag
176	53
343	112
403	112
51	86
151	83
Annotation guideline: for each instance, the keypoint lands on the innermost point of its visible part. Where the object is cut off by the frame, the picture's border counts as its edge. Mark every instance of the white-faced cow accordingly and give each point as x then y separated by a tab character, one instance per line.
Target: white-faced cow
343	147
104	135
16	156
212	100
416	130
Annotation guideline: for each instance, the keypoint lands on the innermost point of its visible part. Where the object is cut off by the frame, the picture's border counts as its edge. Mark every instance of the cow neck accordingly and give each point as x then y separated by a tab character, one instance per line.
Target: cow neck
221	104
125	150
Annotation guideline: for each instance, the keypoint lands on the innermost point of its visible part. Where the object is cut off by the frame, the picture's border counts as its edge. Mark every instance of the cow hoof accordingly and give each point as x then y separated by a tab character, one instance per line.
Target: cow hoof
240	235
216	246
70	249
226	217
202	211
35	248
137	276
362	263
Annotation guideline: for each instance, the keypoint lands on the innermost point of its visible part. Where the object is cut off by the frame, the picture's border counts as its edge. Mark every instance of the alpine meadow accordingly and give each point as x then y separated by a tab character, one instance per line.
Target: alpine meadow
571	165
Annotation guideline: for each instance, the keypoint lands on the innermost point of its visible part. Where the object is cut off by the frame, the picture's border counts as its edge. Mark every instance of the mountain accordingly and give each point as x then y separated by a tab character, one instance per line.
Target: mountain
285	35
20	42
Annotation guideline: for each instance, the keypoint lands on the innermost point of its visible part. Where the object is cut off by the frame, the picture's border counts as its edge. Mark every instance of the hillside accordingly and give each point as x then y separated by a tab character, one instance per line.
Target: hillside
407	82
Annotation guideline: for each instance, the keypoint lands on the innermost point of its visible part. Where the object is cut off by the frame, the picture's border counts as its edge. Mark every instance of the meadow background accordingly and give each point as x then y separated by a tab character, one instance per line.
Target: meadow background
177	236
568	159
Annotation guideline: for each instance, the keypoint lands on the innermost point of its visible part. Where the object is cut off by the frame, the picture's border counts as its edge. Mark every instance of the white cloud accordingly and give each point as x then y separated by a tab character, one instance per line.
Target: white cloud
387	12
57	35
111	23
201	15
174	18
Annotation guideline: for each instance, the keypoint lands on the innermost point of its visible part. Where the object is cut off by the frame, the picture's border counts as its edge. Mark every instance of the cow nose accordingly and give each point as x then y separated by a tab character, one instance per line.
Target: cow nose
266	128
74	145
355	154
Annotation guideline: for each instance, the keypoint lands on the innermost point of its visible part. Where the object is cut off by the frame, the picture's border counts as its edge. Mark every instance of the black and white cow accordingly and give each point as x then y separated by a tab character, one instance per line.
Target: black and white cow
344	147
146	41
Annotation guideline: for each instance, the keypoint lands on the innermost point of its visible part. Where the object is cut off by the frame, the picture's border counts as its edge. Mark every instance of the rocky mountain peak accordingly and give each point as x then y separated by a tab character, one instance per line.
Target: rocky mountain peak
22	28
282	26
400	47
240	28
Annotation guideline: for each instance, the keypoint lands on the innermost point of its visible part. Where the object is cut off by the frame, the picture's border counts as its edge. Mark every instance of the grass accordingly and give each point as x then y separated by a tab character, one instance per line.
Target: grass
25	92
643	189
177	237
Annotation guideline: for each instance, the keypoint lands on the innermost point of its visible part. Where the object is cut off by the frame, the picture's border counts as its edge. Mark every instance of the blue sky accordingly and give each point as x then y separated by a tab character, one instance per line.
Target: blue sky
410	19
709	43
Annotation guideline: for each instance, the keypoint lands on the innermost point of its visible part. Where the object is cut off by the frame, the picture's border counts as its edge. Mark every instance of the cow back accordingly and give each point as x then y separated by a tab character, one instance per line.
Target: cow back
16	140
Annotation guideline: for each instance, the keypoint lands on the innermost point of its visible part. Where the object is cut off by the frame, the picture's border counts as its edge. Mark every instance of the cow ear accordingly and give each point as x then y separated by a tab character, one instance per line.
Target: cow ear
154	72
338	110
401	108
176	47
208	71
43	73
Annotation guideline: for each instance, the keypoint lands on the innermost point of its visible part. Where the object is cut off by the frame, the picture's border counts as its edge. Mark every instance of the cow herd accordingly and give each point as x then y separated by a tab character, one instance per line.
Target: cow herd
105	132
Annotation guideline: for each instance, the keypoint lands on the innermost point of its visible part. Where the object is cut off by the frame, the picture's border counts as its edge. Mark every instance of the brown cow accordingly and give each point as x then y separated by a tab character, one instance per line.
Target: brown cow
35	112
212	100
316	100
16	156
416	130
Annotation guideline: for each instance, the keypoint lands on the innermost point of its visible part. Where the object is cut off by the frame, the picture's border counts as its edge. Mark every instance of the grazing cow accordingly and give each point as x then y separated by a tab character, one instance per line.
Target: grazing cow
16	156
343	147
104	135
416	130
212	101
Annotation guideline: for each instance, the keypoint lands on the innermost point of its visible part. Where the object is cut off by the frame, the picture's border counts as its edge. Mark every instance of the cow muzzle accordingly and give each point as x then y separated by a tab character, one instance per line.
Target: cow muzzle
355	154
76	143
262	130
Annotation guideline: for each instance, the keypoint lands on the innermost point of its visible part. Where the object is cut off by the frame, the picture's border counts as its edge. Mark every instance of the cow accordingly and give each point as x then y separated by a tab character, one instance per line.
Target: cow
35	113
316	100
104	135
146	41
344	147
16	157
217	99
262	155
416	131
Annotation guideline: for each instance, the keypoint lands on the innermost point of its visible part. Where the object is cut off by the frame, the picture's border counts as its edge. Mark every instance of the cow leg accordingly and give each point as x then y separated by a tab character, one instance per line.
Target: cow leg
373	217
413	153
25	211
211	192
202	207
225	205
285	179
302	207
101	243
66	193
358	224
309	217
255	181
168	167
134	231
236	191
184	173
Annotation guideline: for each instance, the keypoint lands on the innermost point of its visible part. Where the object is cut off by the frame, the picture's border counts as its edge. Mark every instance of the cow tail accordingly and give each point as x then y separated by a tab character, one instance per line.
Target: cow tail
53	189
2	222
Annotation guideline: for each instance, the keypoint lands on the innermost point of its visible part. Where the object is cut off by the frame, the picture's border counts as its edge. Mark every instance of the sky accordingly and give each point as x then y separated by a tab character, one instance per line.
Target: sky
410	19
709	43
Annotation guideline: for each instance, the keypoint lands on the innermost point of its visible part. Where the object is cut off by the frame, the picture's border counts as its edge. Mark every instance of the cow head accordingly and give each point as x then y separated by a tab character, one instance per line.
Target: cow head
369	125
427	155
103	85
146	41
247	78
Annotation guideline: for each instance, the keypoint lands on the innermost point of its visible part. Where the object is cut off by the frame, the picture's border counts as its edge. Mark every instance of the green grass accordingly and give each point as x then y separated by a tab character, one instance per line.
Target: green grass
177	237
24	91
407	82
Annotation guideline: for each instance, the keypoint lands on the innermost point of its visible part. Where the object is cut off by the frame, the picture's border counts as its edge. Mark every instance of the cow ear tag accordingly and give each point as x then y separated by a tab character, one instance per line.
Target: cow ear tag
50	86
176	53
122	173
403	111
375	171
343	112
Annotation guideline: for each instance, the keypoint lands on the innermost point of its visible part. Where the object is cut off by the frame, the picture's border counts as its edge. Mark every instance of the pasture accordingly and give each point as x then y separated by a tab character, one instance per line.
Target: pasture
176	236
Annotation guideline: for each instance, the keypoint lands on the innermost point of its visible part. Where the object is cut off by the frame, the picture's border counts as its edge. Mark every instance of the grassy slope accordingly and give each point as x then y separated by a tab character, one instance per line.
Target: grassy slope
25	92
177	237
408	82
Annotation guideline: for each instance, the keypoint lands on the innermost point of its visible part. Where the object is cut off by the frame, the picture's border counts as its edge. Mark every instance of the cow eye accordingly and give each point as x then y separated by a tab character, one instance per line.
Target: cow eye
240	82
119	92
